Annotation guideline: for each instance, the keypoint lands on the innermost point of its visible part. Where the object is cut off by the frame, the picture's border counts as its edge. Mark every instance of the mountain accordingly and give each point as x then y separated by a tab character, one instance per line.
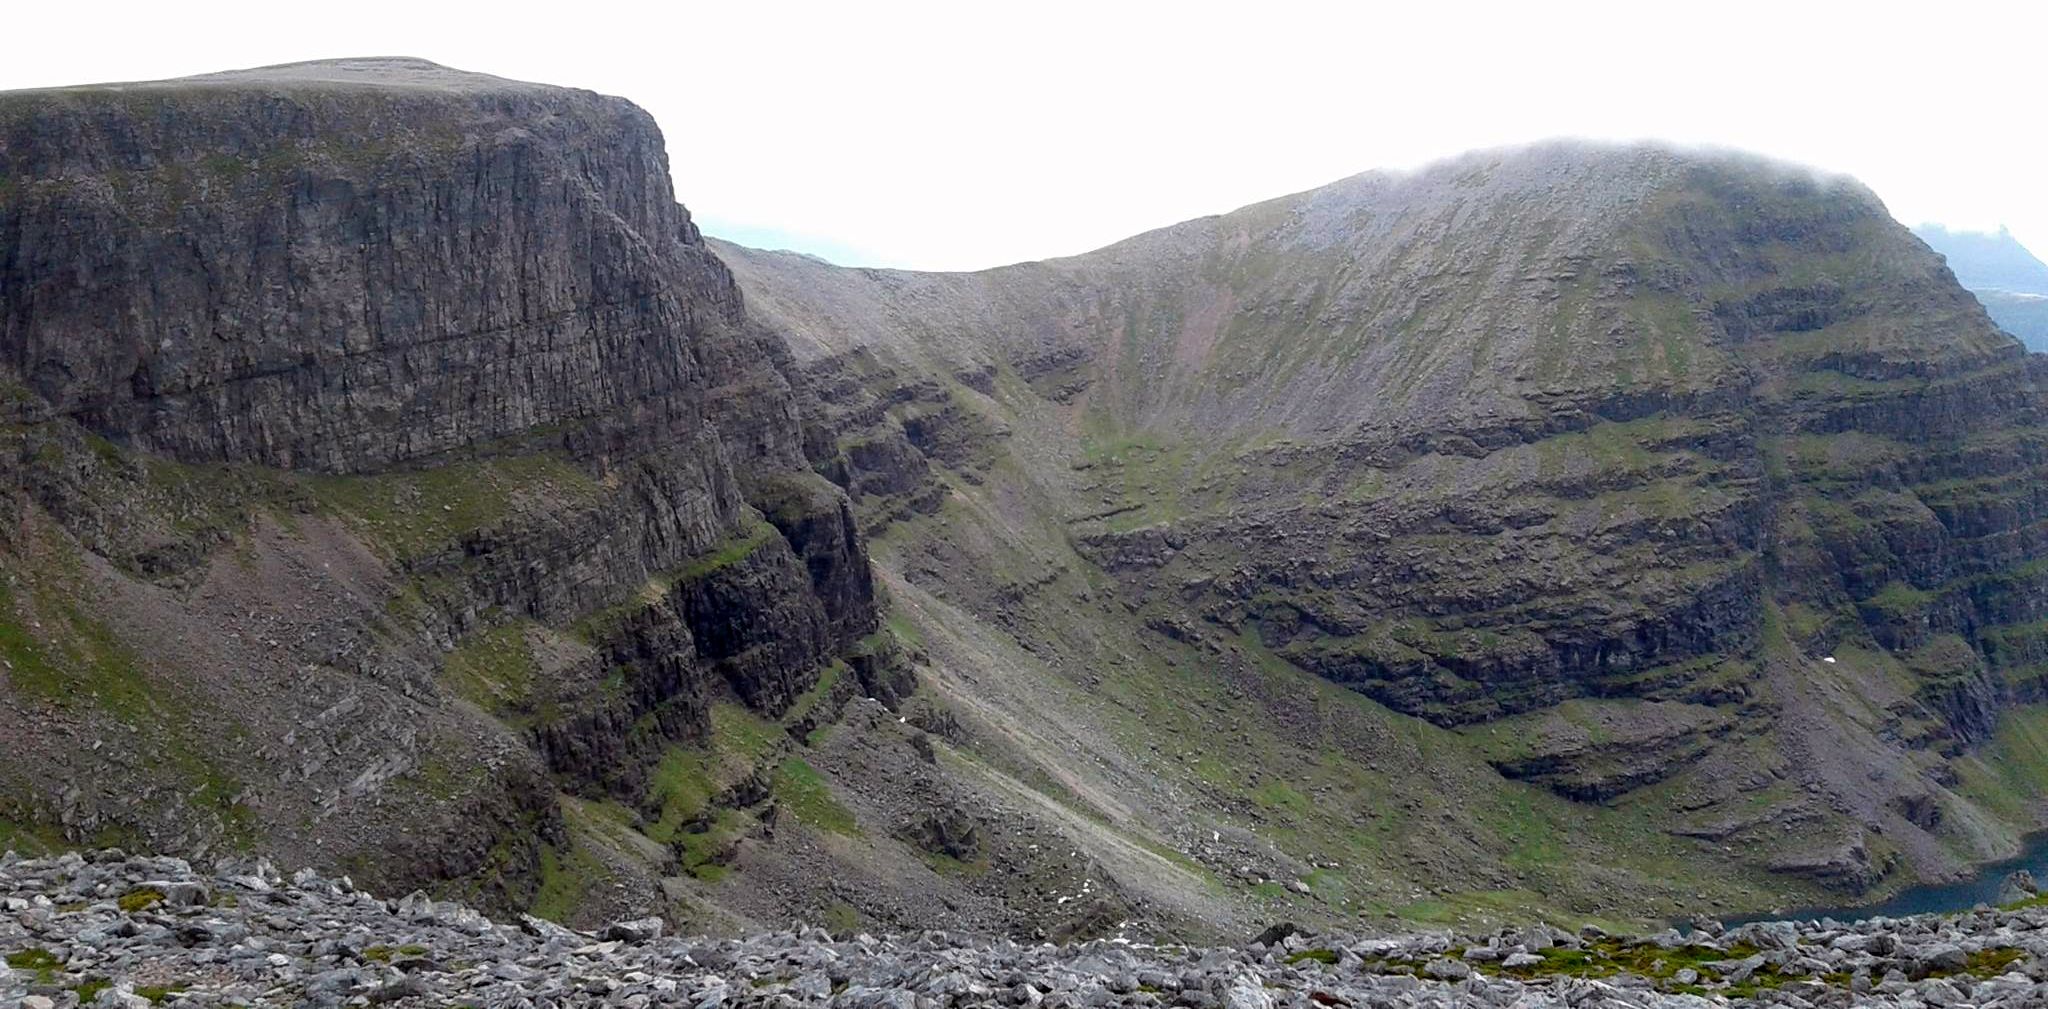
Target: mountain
397	483
1674	512
2022	315
1985	260
2008	279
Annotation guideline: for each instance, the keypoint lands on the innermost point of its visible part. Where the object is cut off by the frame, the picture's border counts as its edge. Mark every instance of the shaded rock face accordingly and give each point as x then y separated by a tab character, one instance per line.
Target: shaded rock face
757	621
896	431
440	355
344	273
572	557
605	741
818	523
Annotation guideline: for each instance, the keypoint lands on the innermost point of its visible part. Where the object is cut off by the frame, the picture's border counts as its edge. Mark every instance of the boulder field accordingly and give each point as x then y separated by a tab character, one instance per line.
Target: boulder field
109	929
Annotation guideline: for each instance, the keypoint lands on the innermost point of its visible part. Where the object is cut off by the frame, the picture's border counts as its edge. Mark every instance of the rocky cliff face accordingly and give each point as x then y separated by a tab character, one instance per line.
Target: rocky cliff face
345	265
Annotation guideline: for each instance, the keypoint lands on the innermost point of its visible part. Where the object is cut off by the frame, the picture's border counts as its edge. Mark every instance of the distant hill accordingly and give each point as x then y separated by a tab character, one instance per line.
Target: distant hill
1983	259
2022	315
2010	280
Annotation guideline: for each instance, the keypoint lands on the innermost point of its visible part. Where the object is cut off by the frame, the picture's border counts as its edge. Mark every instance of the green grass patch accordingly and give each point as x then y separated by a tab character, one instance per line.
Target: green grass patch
805	794
947	865
809	700
703	845
1991	962
840	918
1897	602
686	778
442	779
63	656
728	553
494	669
29	837
2009	775
1607	958
1273	892
140	900
566	879
36	960
1280	795
906	632
679	788
416	513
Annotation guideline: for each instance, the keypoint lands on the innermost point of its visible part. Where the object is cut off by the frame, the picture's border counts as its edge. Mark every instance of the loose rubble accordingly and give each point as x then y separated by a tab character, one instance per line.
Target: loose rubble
107	929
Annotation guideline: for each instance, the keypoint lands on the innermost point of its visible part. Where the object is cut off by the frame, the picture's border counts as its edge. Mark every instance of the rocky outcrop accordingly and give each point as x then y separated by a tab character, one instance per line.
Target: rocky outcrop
895	433
756	622
1597	753
817	522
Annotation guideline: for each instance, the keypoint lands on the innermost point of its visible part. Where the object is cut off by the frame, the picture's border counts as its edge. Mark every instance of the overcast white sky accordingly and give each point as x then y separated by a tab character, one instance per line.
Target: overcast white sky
966	134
